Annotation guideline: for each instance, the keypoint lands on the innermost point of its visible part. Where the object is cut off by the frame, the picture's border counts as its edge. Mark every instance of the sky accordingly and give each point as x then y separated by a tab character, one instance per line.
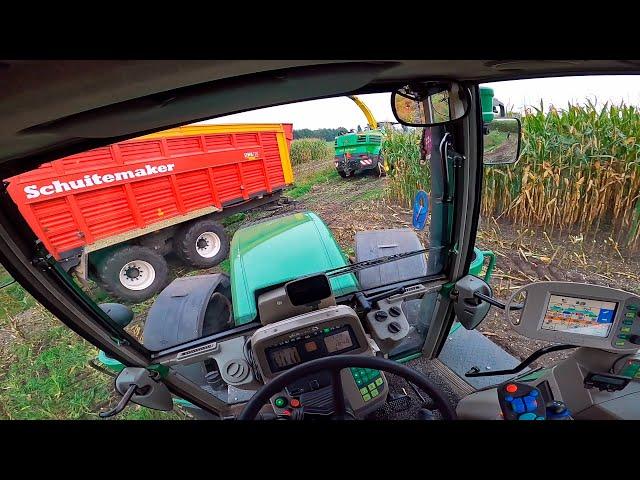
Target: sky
342	112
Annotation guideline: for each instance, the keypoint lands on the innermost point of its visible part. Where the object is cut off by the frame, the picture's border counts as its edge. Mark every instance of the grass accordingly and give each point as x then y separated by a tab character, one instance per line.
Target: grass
370	195
44	367
304	186
48	377
311	150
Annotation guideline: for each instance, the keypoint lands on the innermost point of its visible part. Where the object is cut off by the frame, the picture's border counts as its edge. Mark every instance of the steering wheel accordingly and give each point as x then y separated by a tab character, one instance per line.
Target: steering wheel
335	365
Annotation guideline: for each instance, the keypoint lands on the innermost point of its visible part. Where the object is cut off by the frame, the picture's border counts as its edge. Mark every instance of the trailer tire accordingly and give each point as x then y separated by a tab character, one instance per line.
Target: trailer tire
202	244
150	270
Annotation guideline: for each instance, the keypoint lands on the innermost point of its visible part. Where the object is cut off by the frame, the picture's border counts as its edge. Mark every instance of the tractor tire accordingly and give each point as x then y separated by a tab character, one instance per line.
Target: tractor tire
133	273
342	174
202	244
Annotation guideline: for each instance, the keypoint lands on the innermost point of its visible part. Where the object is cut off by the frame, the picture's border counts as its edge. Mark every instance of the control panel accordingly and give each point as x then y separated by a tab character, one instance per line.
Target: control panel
578	314
327	332
521	401
388	324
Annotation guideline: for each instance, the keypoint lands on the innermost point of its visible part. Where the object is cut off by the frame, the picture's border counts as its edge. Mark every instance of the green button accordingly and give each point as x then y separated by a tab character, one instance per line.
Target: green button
280	402
359	382
374	393
379	382
625	330
366	397
632	307
628	322
364	391
623	336
326	330
620	343
630	315
371	387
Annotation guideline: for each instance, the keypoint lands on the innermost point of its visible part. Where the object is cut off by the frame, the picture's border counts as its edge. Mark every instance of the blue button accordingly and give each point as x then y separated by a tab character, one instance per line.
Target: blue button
518	405
530	403
534	393
508	398
527	416
539	418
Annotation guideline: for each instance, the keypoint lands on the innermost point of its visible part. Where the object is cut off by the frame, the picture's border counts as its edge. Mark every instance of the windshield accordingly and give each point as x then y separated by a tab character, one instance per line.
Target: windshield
191	227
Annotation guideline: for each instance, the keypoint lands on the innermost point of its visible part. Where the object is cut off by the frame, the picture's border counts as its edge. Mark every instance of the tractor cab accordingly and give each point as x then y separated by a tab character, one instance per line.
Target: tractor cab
298	327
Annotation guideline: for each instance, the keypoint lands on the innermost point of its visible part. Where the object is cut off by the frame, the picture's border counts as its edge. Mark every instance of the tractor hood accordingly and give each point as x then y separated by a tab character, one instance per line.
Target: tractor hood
273	252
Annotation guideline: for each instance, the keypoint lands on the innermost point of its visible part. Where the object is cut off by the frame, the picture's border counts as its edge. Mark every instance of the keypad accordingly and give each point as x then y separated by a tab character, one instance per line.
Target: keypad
369	382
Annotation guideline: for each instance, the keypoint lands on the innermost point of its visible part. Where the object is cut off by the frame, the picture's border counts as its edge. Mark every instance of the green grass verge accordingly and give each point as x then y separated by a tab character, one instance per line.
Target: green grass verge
303	187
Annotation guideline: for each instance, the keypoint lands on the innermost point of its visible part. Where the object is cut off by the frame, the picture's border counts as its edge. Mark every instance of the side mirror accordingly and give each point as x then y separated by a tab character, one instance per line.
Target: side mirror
502	141
430	103
470	310
121	314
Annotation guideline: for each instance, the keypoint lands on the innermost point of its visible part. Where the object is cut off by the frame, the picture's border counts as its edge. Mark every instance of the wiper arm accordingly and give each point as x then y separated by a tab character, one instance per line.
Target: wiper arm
356	267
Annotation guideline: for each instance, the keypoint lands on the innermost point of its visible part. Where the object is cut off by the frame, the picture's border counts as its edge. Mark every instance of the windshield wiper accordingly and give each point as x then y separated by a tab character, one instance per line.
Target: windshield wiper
356	267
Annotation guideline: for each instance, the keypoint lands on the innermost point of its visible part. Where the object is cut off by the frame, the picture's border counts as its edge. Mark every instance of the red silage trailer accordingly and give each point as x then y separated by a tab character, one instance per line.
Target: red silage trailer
112	213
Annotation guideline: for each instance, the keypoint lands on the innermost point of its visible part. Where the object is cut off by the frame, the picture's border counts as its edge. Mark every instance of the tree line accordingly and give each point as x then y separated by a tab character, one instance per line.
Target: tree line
327	134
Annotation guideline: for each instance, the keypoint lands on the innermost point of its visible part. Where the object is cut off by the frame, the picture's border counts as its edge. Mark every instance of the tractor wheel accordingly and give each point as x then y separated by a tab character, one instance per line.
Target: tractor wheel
342	174
202	243
133	273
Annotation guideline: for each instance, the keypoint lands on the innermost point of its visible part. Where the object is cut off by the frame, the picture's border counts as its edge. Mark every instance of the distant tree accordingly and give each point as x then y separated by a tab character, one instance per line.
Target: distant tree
327	134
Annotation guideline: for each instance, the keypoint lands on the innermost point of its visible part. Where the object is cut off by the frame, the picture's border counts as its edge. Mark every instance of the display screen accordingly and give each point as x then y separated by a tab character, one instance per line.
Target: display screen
338	341
579	315
285	357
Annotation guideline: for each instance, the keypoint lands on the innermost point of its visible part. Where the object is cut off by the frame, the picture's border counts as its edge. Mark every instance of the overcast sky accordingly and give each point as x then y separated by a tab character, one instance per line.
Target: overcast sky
342	112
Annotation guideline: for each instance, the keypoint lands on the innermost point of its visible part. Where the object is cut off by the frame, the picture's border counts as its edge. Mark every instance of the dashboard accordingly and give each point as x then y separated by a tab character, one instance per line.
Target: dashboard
330	331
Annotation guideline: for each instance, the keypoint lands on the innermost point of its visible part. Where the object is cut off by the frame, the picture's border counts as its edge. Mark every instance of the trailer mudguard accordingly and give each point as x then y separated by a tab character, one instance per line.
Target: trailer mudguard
187	309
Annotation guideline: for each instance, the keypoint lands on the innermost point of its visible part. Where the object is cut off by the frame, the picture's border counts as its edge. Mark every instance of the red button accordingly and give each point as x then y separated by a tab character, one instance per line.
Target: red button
295	403
286	412
511	388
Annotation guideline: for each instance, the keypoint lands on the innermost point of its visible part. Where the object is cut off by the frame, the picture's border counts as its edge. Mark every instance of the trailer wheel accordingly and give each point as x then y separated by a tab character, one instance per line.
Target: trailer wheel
202	244
133	273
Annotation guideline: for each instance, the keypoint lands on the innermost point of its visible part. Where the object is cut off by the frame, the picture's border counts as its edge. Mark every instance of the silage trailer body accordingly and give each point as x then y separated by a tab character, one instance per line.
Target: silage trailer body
143	191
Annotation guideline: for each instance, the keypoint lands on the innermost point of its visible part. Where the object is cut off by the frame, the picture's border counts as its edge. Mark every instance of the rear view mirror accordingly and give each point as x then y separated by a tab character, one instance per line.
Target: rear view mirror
427	104
502	141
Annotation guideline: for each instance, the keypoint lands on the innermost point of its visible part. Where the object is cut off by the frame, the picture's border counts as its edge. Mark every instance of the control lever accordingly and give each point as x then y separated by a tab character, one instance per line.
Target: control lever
521	401
124	401
475	371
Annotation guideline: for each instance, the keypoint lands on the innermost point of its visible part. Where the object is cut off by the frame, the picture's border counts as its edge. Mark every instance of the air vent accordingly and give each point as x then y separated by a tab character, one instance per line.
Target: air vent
197	351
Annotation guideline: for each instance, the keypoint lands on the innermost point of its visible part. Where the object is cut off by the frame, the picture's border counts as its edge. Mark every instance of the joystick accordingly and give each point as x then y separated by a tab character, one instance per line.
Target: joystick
520	401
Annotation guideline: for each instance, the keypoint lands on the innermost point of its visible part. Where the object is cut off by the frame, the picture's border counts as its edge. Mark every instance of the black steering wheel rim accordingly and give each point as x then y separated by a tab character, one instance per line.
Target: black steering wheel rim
337	363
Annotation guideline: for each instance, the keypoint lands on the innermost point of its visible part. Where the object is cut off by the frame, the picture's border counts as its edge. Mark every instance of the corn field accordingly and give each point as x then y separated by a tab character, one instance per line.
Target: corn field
579	170
407	175
310	150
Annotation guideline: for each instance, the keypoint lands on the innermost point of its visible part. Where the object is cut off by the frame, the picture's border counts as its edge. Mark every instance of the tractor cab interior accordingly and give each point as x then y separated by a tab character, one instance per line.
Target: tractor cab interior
297	330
